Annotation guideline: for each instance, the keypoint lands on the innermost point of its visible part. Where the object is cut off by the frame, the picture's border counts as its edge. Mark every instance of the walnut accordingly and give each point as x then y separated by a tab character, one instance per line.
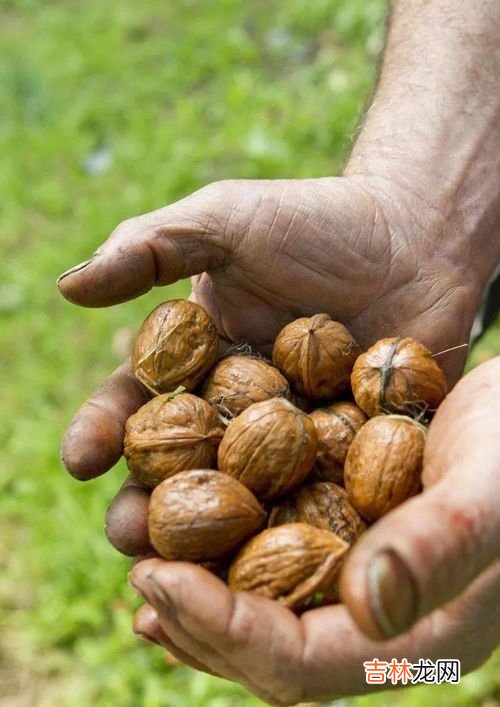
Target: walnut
168	435
176	346
398	375
384	464
335	427
292	563
322	504
237	382
201	515
316	355
270	448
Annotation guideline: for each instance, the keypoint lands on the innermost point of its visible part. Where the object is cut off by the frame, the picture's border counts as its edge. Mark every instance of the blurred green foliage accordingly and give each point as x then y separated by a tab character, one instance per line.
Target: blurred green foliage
108	109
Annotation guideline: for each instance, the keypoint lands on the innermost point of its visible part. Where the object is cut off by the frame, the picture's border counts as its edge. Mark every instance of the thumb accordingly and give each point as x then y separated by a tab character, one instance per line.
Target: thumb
427	551
177	241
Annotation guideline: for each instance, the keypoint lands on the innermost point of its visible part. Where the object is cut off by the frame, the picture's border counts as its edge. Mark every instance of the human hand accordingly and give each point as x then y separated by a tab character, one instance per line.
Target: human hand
404	243
263	253
227	230
435	557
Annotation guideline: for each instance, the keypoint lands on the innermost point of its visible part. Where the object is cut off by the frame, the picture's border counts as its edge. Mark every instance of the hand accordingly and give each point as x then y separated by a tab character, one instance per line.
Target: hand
253	240
263	253
434	557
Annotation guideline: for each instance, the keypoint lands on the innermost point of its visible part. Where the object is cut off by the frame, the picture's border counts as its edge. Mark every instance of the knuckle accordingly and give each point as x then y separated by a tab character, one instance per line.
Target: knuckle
241	622
127	228
225	192
220	187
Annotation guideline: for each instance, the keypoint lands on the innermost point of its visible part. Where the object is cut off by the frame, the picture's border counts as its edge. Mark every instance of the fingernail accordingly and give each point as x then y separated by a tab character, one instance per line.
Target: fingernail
159	592
134	584
75	268
146	586
392	593
80	266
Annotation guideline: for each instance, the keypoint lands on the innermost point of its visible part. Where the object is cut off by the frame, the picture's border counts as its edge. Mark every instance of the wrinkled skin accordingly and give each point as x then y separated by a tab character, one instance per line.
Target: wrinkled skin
251	242
248	247
271	251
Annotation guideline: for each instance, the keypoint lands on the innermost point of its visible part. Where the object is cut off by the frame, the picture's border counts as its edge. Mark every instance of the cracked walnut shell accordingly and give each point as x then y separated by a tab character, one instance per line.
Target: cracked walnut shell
270	448
398	375
176	346
316	355
335	426
201	515
384	464
292	563
322	504
236	382
171	434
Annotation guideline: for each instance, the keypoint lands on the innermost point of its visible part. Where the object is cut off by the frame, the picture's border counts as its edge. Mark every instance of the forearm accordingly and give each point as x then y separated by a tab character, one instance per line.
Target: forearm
434	125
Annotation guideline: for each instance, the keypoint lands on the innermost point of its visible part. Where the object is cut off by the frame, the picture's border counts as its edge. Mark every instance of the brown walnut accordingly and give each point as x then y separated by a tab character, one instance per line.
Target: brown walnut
168	435
384	464
201	515
316	355
237	382
398	375
270	448
176	345
291	563
322	504
335	427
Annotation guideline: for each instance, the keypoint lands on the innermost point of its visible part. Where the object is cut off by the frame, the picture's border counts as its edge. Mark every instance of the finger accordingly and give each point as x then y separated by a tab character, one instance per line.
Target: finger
466	629
94	440
319	656
427	551
147	625
467	420
242	637
183	239
126	524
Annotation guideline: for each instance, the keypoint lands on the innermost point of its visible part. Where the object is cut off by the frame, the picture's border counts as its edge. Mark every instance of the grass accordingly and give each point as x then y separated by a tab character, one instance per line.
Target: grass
110	109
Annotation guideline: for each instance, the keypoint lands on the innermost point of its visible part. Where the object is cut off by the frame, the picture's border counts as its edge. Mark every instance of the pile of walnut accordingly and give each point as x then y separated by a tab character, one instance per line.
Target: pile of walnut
267	473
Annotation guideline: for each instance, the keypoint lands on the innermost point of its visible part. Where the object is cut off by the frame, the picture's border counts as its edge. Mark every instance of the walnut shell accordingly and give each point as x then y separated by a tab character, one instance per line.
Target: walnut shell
176	345
324	505
270	448
316	355
335	427
237	382
384	464
201	515
168	435
398	375
290	563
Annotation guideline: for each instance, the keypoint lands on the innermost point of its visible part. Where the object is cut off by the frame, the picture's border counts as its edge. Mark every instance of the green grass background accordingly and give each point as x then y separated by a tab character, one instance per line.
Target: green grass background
173	94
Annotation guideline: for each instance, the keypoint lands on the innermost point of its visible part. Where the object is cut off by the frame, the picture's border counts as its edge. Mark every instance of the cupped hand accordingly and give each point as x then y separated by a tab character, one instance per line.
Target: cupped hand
262	253
426	578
